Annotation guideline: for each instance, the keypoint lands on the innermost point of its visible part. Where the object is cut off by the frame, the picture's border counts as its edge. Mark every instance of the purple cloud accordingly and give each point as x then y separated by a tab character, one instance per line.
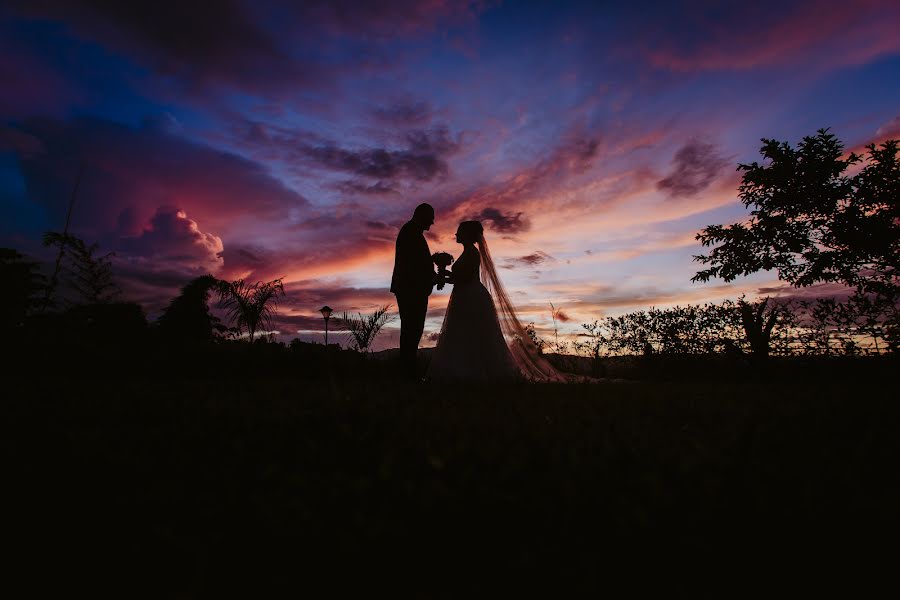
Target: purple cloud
129	173
423	158
502	222
695	166
404	113
172	236
530	260
379	188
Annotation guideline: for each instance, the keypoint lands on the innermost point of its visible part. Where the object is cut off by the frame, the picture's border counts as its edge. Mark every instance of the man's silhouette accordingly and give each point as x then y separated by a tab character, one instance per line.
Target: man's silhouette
412	282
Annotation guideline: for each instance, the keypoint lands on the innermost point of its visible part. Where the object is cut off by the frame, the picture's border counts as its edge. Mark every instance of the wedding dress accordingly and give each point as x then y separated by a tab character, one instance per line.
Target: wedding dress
477	343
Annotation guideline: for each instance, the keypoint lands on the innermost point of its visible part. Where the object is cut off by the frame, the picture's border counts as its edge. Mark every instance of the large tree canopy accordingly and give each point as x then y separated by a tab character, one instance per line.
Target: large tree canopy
817	215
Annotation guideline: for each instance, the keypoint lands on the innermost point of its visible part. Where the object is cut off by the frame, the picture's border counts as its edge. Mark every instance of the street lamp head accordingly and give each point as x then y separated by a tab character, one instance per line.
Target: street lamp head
326	311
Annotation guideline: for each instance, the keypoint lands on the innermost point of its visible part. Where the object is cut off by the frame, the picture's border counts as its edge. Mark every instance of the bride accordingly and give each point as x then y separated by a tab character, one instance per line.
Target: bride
481	338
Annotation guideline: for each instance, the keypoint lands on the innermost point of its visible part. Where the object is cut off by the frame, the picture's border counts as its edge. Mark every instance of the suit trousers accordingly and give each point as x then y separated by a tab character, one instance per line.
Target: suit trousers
412	308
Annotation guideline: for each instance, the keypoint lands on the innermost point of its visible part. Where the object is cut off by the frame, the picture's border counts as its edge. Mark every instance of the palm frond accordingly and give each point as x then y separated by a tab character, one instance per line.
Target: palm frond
249	306
363	329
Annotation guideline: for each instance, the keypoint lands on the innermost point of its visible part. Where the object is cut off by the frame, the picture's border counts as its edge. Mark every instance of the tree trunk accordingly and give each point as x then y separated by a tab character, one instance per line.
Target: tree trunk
758	328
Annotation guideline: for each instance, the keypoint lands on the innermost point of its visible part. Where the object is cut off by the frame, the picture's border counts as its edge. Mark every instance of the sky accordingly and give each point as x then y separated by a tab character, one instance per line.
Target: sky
265	139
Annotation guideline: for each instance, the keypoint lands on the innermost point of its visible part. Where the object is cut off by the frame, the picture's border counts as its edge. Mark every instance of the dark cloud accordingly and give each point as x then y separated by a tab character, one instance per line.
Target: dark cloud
789	293
244	44
580	152
197	42
129	173
378	225
29	86
249	261
19	142
694	167
422	159
379	188
309	295
436	140
404	113
530	260
502	222
385	19
417	155
152	283
535	258
698	35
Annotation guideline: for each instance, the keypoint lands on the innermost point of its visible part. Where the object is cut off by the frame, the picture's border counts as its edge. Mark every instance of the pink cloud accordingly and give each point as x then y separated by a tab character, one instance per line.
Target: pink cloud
888	131
499	204
818	32
631	249
172	236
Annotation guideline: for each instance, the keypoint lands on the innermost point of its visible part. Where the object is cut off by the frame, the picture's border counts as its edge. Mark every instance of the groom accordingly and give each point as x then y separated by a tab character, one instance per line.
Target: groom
412	281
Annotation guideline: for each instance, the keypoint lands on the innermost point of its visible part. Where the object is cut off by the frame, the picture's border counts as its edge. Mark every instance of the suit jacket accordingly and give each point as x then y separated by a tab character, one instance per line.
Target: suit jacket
413	268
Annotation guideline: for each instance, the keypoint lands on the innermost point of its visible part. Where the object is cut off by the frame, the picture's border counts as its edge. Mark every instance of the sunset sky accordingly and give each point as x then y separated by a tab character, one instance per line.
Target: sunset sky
268	139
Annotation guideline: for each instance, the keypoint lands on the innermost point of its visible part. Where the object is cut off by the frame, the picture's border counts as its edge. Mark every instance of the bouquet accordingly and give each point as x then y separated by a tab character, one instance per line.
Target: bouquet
442	260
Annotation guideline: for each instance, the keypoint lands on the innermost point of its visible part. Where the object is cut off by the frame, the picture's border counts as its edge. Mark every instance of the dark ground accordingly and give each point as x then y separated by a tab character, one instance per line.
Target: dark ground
210	488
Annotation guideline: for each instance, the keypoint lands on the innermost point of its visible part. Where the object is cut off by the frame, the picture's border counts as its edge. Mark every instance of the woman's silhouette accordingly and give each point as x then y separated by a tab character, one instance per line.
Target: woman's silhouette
481	338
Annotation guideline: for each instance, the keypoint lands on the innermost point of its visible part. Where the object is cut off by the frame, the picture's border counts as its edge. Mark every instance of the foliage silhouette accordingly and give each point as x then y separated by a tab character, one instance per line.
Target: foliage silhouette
825	326
187	316
758	324
22	283
89	275
219	488
363	329
250	306
109	324
532	334
812	221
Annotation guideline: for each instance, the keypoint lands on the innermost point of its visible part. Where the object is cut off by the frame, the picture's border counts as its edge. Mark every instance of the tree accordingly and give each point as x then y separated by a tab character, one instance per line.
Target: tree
22	283
187	317
593	344
363	329
875	317
758	324
811	220
88	274
250	306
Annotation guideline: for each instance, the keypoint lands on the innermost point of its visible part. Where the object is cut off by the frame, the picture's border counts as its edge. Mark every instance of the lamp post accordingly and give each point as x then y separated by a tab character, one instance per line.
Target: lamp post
326	314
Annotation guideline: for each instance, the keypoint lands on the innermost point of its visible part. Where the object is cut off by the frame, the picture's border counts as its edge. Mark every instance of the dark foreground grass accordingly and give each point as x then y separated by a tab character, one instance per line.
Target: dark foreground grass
209	489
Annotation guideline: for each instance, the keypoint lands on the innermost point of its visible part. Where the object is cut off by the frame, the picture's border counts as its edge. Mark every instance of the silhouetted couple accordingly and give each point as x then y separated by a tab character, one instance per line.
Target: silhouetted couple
481	338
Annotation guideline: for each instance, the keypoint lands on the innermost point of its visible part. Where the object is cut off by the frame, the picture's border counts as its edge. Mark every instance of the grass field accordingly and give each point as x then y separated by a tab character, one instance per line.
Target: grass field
203	488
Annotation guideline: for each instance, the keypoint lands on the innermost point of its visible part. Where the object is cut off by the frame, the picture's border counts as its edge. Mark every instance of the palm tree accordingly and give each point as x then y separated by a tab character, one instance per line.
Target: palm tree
250	306
364	328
